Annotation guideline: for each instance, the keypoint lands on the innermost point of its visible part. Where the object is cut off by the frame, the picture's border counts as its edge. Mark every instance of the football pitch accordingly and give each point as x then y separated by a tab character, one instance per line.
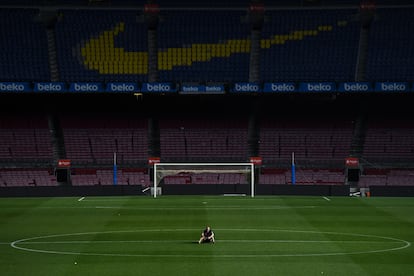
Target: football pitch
265	235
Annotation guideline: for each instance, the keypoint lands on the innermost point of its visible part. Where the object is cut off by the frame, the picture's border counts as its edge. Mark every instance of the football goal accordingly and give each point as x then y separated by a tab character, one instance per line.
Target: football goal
204	174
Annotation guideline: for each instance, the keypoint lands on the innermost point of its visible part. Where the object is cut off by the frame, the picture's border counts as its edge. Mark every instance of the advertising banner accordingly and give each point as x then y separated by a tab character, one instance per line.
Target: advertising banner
352	162
153	160
283	87
64	163
256	160
202	89
158	87
355	87
249	87
15	87
122	87
392	87
318	87
86	87
49	87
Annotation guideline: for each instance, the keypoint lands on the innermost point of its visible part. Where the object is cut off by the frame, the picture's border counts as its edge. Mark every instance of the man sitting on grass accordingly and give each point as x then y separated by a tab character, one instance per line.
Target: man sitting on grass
207	235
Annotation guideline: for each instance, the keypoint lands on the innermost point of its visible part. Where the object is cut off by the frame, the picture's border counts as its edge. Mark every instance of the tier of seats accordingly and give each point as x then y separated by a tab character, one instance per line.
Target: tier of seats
387	177
303	177
27	177
320	141
25	139
206	46
106	177
23	43
99	45
295	45
203	140
95	141
309	45
389	141
390	55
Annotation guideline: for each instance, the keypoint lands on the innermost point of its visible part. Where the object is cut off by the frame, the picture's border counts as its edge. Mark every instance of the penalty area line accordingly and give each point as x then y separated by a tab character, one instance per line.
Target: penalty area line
4	243
230	195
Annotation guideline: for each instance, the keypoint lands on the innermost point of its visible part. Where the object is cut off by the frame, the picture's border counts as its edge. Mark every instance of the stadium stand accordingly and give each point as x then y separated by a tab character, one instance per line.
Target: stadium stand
23	43
308	45
211	3
390	57
317	141
372	180
26	177
387	177
318	176
389	141
25	139
296	45
101	45
189	140
91	177
400	177
94	140
203	46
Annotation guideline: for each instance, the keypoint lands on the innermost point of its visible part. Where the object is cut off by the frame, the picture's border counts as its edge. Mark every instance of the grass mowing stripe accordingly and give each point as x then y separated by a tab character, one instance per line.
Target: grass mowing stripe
212	208
178	208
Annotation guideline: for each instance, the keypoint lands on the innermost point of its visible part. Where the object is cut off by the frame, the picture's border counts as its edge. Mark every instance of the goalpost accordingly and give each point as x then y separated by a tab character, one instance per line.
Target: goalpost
221	173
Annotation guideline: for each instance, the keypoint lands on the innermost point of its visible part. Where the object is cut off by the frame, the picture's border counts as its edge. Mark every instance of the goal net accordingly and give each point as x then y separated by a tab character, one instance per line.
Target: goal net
204	174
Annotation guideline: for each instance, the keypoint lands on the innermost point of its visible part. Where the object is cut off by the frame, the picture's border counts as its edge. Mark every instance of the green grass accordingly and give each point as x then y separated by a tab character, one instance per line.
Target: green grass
260	236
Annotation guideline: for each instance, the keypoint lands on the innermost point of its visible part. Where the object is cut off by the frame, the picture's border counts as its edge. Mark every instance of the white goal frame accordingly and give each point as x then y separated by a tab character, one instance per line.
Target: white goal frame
207	170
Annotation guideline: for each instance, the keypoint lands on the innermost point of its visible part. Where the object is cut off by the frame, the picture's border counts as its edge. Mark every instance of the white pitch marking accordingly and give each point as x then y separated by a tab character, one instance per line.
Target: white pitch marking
221	241
15	244
327	199
82	198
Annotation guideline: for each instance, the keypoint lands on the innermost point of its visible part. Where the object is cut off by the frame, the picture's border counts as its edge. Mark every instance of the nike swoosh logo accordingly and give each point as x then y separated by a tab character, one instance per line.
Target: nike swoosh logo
100	53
